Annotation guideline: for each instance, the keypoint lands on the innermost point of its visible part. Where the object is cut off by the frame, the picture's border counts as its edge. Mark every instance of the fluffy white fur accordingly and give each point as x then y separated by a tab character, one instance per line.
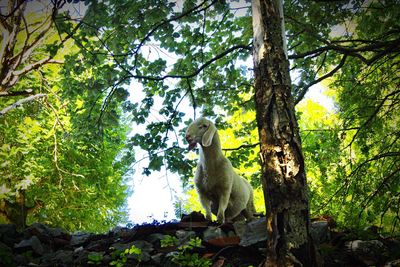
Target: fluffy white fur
221	190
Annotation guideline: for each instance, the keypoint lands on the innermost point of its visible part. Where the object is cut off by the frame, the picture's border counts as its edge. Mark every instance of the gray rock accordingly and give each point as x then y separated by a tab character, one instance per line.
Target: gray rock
155	239
120	246
158	258
32	243
143	245
59	258
8	234
123	232
79	239
395	263
319	232
213	232
369	252
256	231
42	230
184	236
240	227
6	255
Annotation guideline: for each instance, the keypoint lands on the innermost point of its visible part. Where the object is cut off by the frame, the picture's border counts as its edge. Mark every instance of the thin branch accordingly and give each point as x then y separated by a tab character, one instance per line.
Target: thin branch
192	97
354	172
196	72
372	116
368	199
304	90
241	147
11	12
155	28
17	74
20	102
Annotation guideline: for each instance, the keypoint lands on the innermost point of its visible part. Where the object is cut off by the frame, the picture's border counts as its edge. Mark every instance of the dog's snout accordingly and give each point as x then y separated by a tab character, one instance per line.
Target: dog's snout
188	138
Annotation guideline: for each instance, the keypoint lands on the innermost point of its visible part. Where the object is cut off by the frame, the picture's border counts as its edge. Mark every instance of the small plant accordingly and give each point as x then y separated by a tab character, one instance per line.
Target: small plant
95	258
122	257
185	257
169	241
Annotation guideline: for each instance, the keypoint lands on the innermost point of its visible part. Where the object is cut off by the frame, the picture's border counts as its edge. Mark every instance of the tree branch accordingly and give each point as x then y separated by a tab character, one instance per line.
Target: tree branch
20	102
304	90
191	75
241	147
372	116
16	93
368	199
155	28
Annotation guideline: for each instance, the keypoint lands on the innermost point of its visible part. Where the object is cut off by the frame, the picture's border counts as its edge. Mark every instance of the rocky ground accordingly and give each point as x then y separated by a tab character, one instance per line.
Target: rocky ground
190	242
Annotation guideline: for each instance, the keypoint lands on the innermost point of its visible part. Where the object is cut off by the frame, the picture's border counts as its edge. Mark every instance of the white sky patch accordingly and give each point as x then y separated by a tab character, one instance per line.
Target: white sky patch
317	94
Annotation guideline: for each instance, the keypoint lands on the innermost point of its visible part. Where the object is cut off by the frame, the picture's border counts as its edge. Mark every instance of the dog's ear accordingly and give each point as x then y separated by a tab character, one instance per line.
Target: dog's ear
206	140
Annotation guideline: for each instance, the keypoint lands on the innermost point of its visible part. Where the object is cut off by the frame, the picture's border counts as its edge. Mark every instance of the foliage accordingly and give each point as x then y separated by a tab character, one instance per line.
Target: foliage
169	241
197	54
185	256
95	258
122	257
68	171
352	155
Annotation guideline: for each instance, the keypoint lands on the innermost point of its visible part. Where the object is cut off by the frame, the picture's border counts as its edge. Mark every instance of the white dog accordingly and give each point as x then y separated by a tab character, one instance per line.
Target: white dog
222	191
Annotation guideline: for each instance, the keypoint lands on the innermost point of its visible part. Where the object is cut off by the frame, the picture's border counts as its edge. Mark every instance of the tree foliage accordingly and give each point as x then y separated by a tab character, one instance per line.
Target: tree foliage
59	166
197	54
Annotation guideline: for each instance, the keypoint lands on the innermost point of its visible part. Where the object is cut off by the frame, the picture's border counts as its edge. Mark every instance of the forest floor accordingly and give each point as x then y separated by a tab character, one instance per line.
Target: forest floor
193	241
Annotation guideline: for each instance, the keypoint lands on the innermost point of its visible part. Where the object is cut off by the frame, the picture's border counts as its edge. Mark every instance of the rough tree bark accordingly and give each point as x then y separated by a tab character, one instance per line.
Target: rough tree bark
283	173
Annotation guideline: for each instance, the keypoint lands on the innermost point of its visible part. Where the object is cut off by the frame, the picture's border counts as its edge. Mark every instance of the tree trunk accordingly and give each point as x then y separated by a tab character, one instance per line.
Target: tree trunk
16	212
283	173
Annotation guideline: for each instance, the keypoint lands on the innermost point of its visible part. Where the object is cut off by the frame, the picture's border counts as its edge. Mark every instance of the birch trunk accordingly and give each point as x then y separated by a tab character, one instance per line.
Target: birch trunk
283	173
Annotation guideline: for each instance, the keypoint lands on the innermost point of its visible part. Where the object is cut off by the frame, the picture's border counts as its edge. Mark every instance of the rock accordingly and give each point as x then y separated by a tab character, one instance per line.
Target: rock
224	241
395	263
238	244
369	252
213	232
239	227
21	260
98	245
319	232
81	258
39	230
79	239
158	258
59	258
184	236
60	243
9	234
145	247
155	239
194	216
32	243
123	232
256	231
6	255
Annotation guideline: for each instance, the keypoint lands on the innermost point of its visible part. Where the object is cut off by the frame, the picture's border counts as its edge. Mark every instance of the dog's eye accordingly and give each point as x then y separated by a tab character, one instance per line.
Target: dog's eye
202	126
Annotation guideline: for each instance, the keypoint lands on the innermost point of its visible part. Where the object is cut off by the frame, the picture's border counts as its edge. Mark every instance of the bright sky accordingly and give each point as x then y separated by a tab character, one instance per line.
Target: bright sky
153	196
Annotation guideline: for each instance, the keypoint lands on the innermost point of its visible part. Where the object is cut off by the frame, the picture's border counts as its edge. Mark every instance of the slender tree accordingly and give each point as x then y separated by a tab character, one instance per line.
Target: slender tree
283	172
